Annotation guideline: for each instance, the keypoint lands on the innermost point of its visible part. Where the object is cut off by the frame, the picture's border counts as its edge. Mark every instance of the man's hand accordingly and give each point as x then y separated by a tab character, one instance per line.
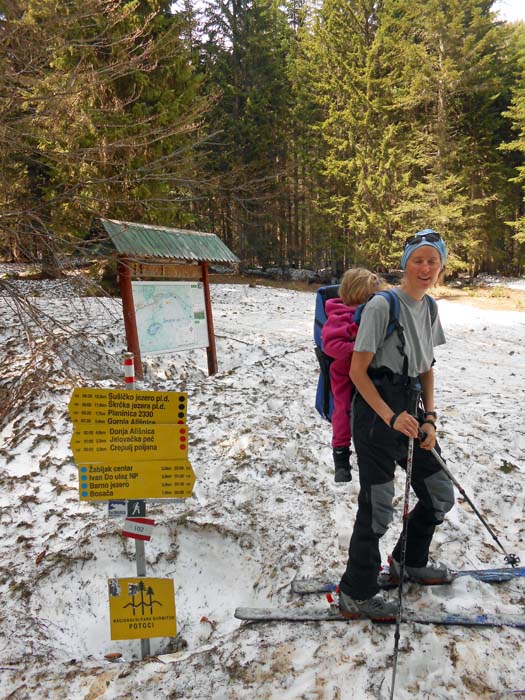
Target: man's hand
429	442
406	424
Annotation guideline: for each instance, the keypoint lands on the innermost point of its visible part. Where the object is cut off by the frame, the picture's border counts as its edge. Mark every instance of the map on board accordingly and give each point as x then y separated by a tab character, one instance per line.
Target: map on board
170	316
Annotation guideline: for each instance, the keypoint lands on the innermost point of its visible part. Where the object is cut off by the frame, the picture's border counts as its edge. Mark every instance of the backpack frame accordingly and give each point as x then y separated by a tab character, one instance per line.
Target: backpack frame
324	399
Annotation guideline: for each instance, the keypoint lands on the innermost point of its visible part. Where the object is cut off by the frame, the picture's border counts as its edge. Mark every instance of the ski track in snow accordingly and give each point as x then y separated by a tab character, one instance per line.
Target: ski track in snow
264	509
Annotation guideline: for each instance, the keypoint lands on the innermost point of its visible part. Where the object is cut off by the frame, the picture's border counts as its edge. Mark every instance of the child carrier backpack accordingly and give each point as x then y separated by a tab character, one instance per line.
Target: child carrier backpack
324	400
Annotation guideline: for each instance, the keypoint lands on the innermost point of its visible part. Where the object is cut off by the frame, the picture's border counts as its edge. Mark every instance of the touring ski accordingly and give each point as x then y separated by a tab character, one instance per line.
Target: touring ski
305	586
332	614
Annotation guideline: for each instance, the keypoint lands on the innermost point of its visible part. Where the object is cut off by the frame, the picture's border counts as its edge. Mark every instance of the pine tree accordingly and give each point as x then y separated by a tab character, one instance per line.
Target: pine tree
245	62
364	161
515	147
454	89
103	110
410	98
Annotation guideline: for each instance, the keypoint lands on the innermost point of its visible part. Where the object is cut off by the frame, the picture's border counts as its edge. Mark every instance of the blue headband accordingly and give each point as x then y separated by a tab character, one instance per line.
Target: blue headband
439	245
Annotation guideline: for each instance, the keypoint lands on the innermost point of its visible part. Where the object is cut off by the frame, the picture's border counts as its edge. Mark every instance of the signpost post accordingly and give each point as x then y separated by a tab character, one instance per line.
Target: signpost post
140	550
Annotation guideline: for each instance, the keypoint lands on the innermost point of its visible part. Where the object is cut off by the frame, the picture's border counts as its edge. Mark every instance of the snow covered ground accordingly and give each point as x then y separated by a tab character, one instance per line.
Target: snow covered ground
264	510
495	281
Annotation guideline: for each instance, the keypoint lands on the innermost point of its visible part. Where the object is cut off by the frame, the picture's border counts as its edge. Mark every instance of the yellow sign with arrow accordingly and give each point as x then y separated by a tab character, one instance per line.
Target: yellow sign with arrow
135	480
119	408
105	443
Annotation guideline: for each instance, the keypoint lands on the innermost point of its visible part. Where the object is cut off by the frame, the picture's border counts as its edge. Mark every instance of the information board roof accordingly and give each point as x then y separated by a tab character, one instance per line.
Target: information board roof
145	240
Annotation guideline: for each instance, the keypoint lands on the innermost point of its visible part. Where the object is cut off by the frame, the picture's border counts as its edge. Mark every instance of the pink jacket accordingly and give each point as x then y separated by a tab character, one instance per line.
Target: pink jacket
338	335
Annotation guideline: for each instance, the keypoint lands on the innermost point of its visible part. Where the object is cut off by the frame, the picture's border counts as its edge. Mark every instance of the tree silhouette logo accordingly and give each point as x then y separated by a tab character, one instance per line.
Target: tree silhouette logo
141	597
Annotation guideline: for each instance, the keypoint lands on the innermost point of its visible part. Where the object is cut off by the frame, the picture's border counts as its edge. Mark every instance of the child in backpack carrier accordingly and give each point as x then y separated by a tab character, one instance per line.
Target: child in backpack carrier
339	334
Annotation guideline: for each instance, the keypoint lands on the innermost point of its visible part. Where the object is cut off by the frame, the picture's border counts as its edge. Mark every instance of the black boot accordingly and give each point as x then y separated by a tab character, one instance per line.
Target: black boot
342	464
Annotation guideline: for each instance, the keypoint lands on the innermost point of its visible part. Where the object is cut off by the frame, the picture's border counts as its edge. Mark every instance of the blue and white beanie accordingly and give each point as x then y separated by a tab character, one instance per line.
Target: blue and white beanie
439	245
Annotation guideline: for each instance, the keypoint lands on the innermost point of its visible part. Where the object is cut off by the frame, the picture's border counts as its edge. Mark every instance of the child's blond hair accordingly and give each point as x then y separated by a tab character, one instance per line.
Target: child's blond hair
358	284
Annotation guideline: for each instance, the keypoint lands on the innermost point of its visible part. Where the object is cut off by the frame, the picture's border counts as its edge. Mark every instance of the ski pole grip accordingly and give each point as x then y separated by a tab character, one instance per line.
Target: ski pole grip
421	434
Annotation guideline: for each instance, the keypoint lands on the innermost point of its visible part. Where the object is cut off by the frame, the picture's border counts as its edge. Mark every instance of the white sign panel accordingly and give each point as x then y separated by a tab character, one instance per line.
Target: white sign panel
171	316
138	528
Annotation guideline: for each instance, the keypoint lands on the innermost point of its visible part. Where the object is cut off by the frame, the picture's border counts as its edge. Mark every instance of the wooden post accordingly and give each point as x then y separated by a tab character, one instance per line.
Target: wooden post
210	350
130	322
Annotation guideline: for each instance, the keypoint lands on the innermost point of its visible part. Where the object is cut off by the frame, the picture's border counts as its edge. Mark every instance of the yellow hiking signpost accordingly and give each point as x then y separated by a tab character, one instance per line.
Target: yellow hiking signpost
133	445
136	480
141	608
130	444
105	443
120	408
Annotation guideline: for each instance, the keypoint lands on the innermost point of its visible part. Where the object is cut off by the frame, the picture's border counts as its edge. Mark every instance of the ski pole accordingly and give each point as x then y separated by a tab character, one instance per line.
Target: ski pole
404	535
511	559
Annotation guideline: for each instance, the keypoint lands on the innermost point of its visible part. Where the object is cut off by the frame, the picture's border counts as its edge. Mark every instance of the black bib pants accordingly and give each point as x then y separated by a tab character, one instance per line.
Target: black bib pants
378	448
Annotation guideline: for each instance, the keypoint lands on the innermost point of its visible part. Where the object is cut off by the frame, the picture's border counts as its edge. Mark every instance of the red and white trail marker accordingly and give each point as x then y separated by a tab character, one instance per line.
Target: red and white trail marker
129	368
138	528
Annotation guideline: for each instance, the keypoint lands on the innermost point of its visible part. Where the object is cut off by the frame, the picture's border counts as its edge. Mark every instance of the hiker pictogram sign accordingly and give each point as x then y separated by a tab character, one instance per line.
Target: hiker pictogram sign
140	608
135	508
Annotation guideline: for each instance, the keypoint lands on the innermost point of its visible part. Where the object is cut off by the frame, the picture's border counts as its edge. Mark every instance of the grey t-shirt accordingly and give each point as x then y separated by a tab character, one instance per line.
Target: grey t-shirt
420	334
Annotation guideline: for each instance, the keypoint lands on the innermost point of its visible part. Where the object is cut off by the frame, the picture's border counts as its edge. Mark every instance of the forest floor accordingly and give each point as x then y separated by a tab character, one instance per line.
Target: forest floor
492	297
490	293
495	298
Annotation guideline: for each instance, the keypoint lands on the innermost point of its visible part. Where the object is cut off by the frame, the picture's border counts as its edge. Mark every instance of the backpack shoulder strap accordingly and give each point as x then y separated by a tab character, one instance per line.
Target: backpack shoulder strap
393	303
432	307
393	325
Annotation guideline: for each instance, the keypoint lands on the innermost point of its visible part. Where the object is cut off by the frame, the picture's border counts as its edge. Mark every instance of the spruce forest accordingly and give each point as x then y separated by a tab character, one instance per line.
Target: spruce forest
306	133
